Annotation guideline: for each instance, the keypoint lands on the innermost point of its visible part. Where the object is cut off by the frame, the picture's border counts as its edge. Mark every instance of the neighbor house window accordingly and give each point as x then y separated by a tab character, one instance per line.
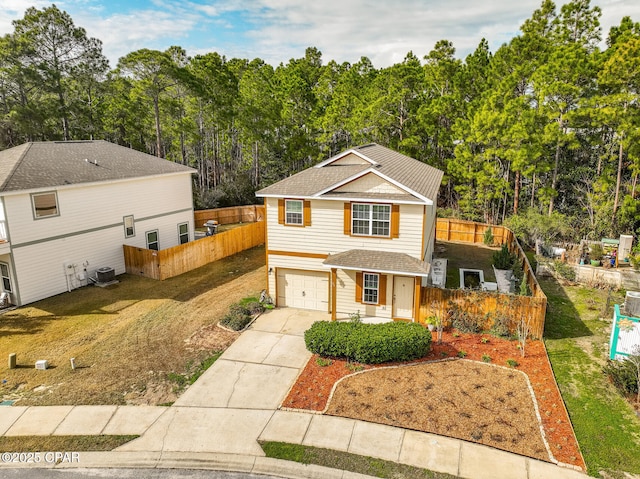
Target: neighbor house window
370	288
152	240
183	233
6	280
129	226
370	219
293	212
45	204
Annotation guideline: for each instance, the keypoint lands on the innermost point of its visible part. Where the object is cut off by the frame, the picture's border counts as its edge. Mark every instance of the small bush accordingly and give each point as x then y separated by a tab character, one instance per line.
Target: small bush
622	375
462	354
486	358
237	318
255	307
501	326
465	322
565	270
487	238
323	362
503	259
512	363
368	343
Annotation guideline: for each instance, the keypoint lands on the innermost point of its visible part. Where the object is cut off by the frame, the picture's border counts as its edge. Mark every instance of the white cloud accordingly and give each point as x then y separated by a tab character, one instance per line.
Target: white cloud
277	30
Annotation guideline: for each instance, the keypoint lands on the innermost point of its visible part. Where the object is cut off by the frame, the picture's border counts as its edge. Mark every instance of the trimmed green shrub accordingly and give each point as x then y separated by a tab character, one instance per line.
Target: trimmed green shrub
368	343
237	318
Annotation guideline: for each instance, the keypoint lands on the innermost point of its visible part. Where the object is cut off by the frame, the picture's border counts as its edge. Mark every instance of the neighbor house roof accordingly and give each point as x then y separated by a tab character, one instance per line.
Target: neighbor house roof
58	163
419	180
377	262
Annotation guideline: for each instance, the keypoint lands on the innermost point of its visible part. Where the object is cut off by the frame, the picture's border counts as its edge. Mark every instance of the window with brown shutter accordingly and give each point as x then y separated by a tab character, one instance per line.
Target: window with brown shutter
371	288
292	212
347	219
395	221
307	213
372	219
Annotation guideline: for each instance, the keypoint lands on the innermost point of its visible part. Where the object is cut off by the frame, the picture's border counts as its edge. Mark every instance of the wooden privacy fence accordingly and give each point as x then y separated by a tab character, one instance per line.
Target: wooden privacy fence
487	305
171	262
233	214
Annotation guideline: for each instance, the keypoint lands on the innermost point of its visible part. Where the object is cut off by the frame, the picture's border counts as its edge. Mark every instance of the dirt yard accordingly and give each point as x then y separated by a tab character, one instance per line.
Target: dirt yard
468	400
451	397
126	339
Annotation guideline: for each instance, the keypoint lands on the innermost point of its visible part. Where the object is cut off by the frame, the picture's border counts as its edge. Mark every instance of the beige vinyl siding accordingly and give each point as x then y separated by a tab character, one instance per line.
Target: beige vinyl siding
87	207
346	298
326	233
429	232
370	183
350	159
90	229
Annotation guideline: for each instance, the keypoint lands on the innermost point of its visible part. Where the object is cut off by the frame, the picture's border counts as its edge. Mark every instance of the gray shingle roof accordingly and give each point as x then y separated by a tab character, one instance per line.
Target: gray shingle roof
312	180
419	177
377	262
50	164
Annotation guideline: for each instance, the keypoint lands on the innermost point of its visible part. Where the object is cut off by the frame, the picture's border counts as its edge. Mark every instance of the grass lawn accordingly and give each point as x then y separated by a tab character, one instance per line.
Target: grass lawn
465	255
348	462
127	339
62	443
577	339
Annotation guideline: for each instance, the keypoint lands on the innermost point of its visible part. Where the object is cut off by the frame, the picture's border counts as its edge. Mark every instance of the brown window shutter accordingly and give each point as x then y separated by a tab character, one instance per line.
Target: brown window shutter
359	287
281	211
395	221
382	290
347	221
307	212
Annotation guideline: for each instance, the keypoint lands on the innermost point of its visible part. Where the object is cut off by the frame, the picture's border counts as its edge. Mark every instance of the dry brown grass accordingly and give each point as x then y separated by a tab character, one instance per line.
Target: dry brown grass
126	338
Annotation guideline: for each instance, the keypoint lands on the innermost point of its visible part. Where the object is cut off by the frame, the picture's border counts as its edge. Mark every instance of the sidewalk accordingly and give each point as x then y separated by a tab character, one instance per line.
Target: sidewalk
216	423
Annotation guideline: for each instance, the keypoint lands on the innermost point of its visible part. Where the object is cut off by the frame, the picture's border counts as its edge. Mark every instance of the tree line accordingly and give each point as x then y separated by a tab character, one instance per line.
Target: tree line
544	131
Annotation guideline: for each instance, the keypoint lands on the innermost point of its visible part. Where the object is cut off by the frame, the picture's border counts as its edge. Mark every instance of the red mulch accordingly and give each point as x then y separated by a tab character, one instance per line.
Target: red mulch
313	387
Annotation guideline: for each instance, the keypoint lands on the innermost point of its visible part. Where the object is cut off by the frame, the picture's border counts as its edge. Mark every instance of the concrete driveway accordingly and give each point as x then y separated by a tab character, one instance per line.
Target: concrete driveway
228	407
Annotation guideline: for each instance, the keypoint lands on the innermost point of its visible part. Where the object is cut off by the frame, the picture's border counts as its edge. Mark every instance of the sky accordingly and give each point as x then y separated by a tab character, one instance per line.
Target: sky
278	30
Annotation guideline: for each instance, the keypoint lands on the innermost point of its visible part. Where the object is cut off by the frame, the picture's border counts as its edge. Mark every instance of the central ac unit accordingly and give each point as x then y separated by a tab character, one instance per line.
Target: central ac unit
105	274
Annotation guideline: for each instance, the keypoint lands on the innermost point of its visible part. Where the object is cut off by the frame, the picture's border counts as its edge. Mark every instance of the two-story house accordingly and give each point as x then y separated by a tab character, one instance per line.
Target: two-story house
353	233
68	207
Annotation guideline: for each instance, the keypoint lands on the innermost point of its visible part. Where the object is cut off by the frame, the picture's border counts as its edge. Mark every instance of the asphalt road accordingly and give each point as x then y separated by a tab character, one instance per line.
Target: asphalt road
30	473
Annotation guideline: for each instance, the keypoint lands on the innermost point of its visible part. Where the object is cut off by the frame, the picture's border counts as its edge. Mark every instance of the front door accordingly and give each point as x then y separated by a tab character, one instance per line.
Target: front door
403	297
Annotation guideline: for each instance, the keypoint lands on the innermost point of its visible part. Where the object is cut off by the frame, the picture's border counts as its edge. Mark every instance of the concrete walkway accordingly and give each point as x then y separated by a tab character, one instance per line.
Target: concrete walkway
217	422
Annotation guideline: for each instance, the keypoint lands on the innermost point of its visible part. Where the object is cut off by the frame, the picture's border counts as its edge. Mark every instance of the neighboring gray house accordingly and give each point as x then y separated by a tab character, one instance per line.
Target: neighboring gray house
355	232
68	207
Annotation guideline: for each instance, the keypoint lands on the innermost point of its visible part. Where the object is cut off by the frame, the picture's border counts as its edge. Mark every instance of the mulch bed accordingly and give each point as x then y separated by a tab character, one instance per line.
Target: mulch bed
406	397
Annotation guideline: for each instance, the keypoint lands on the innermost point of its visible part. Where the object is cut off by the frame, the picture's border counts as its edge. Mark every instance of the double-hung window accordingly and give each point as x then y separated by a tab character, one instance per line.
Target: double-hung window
6	279
371	288
293	212
152	240
183	233
129	226
370	219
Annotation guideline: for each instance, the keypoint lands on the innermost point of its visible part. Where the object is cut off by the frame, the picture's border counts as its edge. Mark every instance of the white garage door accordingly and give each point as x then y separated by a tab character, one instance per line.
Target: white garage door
303	289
